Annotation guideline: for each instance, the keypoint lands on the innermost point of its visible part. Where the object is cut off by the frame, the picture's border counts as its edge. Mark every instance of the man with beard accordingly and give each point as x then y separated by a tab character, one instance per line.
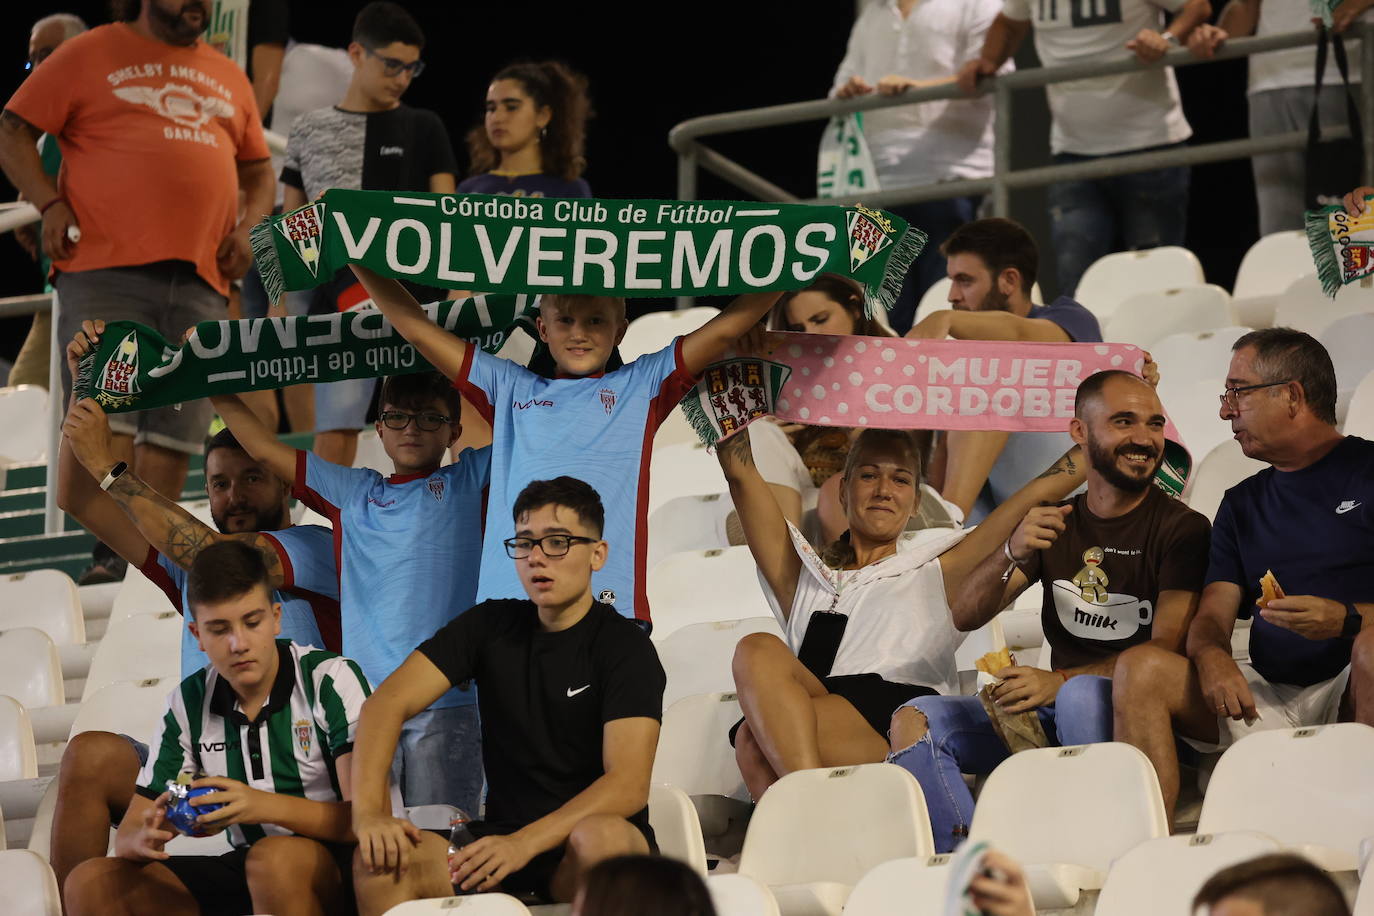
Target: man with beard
1120	564
248	503
1309	521
992	266
159	134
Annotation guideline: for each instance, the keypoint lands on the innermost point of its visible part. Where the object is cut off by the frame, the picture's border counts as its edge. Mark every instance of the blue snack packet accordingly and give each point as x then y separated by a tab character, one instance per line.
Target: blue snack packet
181	814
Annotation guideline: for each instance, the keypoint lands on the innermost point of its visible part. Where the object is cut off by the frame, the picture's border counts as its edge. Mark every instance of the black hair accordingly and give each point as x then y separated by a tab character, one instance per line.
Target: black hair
225	438
223	571
1288	354
381	22
568	492
419	390
557	87
631	885
1282	884
1001	243
1091	387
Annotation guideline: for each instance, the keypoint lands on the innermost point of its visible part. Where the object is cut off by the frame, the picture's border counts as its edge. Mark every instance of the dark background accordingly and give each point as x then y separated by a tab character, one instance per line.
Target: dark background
651	66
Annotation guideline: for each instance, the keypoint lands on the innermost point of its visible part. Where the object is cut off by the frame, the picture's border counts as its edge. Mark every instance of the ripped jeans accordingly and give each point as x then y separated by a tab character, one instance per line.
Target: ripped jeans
960	739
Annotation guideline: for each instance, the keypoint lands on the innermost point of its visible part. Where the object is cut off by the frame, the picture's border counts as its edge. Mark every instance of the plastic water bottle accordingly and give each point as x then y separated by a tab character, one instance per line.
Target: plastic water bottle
459	836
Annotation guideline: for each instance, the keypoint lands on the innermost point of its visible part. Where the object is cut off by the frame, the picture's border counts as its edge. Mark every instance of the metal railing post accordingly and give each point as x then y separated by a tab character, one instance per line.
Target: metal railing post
1001	149
57	355
687	190
1367	96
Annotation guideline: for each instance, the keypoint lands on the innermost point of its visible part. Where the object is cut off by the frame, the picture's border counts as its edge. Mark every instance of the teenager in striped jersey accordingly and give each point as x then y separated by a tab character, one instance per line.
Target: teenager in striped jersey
272	723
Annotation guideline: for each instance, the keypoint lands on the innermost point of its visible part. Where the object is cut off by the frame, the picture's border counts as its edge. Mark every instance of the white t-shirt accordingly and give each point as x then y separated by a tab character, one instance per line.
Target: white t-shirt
1104	114
1296	66
312	76
899	626
935	141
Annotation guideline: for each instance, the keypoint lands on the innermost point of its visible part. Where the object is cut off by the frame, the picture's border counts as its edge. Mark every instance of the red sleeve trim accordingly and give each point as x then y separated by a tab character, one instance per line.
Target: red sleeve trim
158	576
474	395
671	391
288	572
301	489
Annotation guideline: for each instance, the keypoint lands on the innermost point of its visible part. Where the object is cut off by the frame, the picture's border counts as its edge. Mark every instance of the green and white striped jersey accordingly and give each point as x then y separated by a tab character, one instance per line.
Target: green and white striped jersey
308	722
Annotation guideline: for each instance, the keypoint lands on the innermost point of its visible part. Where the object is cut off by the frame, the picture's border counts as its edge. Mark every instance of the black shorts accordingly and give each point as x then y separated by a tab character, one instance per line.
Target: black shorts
533	884
874	698
220	883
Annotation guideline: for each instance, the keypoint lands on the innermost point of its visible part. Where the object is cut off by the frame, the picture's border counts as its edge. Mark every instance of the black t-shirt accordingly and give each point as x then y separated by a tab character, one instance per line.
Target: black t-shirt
1102	577
396	150
1314	528
545	699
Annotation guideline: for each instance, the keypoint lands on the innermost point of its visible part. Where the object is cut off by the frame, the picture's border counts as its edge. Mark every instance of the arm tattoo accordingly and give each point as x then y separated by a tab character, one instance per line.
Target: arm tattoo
1064	465
270	558
126	488
185	539
737	450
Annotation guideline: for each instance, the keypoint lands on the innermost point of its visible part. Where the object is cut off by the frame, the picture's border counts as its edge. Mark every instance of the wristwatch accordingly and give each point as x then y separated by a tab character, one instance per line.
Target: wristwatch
1171	38
119	468
1353	621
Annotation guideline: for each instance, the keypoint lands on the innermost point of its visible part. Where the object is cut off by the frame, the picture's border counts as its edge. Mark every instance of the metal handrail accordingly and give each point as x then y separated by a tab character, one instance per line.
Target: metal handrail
685	137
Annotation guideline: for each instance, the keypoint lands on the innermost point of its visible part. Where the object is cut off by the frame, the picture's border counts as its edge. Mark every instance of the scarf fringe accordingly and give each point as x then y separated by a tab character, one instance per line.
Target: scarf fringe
85	374
701	422
268	261
904	253
1323	251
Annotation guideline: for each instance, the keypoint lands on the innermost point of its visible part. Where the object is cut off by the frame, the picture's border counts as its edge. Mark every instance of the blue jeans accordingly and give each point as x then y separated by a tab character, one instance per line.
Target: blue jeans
439	759
960	739
1091	218
938	219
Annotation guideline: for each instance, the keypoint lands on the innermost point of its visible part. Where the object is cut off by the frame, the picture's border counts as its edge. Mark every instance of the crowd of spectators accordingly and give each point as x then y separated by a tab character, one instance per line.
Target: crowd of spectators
443	642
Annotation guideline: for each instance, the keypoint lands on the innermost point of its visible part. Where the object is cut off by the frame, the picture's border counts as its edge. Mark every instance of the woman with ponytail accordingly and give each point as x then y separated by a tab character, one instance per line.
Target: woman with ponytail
532	139
866	620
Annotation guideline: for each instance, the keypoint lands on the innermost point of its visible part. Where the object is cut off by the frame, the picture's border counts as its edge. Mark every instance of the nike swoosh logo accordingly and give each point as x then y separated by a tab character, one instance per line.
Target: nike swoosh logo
1343	508
573	693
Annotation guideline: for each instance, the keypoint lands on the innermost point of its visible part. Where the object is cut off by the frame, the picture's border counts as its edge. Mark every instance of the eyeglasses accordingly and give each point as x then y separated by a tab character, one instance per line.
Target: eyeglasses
428	422
552	545
393	67
1230	398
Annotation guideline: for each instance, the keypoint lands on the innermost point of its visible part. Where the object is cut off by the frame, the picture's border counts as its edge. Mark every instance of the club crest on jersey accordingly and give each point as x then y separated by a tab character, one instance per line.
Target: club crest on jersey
304	731
869	233
304	228
118	382
436	488
607	596
608	399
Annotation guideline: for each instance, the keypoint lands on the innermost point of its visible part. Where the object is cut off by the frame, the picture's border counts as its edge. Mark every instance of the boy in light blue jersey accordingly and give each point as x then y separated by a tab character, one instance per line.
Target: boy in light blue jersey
586	423
408	548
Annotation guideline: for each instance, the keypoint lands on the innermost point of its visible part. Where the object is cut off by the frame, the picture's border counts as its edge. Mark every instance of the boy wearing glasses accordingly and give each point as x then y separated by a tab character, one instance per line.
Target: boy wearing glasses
571	696
408	548
370	142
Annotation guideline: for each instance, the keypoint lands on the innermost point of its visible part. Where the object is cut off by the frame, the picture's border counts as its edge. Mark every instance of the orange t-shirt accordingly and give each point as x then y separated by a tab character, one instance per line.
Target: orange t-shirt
151	135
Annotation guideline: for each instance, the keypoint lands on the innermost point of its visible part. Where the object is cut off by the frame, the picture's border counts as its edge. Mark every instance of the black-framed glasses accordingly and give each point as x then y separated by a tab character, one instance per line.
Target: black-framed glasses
428	422
1230	398
552	545
394	67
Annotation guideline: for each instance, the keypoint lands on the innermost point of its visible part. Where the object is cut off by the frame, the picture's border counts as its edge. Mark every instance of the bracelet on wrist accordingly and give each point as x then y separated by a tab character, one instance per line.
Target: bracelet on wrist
1006	549
59	199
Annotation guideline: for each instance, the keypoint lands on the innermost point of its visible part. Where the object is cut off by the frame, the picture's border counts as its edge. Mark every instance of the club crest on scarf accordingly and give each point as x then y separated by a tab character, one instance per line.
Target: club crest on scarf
304	228
304	730
869	233
740	390
118	382
436	488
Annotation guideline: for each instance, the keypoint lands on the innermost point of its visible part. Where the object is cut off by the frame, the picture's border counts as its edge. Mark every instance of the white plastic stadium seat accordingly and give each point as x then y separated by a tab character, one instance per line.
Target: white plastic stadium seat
1195	408
1218	471
23	417
688	523
1112	279
371	454
29	883
676	827
697	658
652	332
816	832
45	599
30	668
694	751
1150	316
705	585
740	895
1347	340
1359	418
432	817
128	708
675	430
686	469
934	299
1304	306
1045	808
1305	787
1163	875
1267	269
985	639
475	905
138	595
901	887
1196	354
18	756
135	649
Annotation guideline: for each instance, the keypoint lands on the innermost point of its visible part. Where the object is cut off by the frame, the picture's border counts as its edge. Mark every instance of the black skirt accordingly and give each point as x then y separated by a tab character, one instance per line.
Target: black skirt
874	698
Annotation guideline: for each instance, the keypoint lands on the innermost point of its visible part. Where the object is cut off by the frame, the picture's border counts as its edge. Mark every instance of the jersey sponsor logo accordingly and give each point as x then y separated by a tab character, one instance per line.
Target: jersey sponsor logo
436	488
607	399
304	733
532	402
380	504
392	151
1111	618
177	103
212	747
572	693
607	596
1346	506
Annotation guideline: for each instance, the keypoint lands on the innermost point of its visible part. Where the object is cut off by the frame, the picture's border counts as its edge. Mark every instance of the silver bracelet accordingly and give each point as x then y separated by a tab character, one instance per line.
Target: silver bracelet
1013	562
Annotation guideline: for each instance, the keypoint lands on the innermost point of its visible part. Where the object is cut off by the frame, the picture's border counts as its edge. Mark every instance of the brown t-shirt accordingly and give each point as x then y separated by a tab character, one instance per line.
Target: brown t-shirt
1102	577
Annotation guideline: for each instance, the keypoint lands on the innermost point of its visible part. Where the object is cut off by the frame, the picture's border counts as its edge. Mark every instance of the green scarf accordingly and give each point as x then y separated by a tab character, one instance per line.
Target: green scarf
1342	245
136	368
586	246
